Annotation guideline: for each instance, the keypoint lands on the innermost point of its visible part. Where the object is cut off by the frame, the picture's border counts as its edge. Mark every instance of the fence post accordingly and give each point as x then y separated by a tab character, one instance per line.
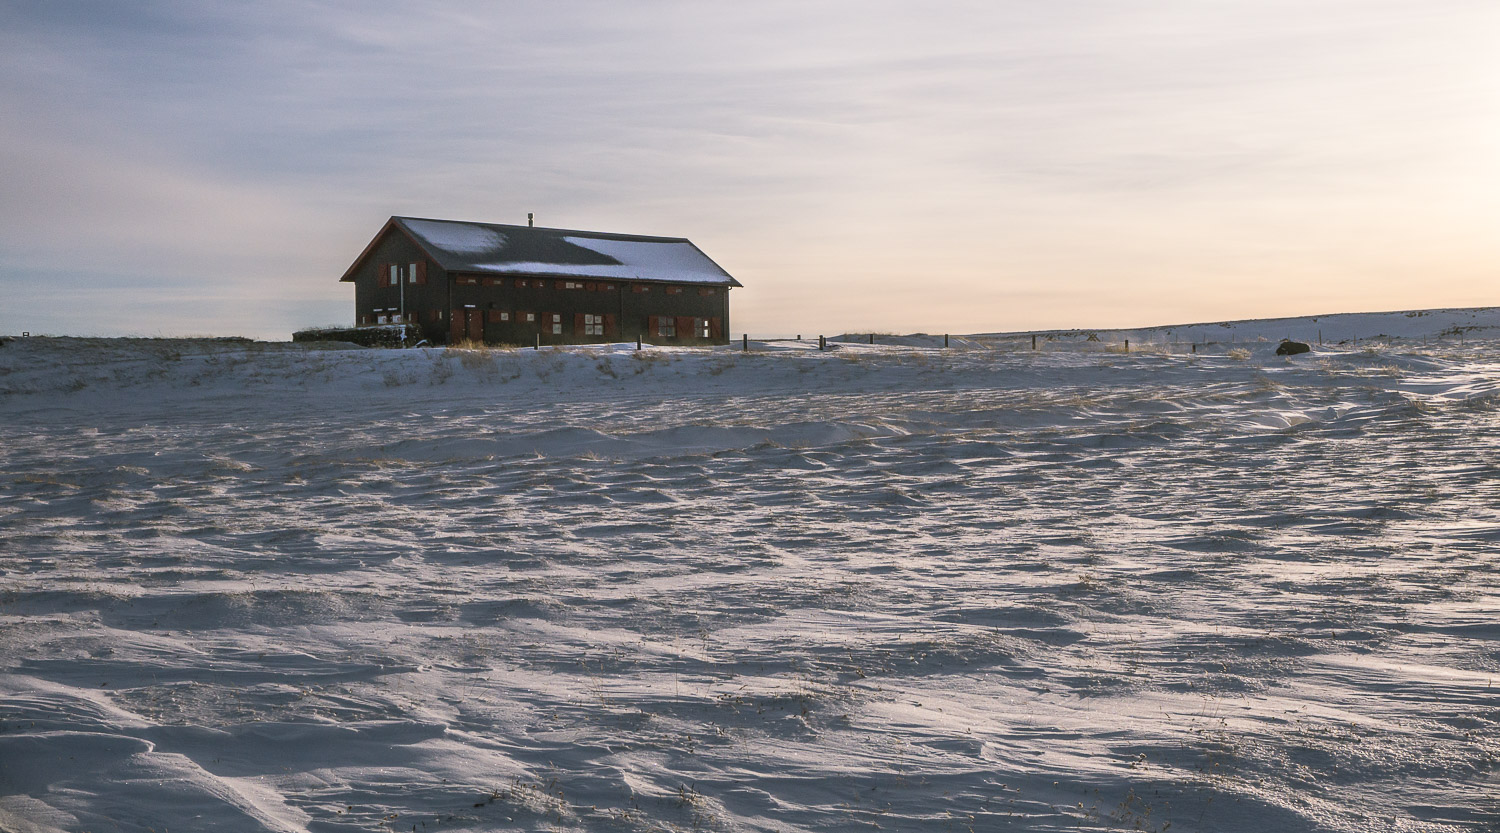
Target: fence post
745	344
872	338
822	343
945	339
1033	341
1195	347
538	341
638	341
1127	345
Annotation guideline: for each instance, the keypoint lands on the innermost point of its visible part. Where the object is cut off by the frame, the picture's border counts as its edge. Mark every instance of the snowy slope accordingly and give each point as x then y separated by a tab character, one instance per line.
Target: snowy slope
269	587
1340	330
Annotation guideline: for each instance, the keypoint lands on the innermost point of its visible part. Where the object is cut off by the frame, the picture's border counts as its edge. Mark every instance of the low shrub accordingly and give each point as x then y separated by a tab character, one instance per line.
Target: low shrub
387	335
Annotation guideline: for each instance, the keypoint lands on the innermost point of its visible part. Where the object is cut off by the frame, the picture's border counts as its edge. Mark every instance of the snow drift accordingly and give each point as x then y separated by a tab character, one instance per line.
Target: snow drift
286	588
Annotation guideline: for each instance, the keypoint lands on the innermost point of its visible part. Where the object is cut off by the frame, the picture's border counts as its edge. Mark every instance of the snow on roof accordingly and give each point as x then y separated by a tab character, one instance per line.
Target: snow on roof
524	250
459	238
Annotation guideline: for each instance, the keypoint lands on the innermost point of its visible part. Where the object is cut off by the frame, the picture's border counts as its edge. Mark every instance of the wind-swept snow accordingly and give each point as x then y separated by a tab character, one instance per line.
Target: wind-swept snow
277	588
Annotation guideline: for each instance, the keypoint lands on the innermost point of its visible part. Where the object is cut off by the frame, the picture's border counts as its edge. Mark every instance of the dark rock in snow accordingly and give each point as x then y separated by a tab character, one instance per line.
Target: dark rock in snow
1287	347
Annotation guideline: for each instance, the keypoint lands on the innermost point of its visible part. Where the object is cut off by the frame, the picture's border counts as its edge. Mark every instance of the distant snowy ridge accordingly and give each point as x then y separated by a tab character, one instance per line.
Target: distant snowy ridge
1334	329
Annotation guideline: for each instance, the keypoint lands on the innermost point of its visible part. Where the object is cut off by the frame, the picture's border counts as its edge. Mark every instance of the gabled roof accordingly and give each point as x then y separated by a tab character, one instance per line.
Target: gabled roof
493	249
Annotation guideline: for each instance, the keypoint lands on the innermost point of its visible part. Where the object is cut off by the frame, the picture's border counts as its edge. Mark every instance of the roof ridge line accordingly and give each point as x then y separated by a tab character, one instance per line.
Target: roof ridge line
403	218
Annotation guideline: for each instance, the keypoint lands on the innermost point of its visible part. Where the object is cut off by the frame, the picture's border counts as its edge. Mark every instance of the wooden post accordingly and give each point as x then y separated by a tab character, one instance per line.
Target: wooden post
1195	347
945	339
872	338
822	343
1033	341
799	336
1127	345
538	341
637	341
745	343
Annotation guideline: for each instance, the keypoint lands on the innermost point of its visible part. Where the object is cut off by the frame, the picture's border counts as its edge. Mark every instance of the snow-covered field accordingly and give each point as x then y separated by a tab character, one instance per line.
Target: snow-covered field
250	587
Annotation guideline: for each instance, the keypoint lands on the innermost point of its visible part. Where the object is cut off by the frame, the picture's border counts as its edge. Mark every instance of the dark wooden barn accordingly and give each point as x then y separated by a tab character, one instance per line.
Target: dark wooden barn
516	284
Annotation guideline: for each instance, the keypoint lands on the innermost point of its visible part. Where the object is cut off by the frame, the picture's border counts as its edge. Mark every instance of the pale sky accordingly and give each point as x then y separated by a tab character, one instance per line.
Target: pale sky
175	167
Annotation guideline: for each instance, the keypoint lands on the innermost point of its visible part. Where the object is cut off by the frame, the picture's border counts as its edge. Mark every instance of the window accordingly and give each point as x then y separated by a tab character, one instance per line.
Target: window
504	316
530	318
639	287
572	285
522	284
557	324
606	287
701	328
470	280
395	275
674	290
593	325
411	274
705	290
666	327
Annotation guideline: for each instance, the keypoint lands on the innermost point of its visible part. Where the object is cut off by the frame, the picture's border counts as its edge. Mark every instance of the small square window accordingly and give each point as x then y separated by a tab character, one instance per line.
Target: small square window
666	327
530	318
593	325
504	316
